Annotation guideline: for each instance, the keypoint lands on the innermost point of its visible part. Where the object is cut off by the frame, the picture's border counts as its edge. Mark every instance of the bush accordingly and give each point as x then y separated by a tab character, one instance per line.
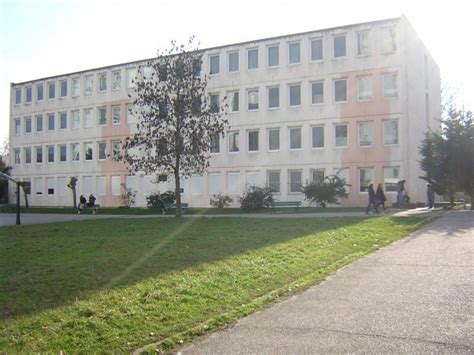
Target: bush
127	197
327	191
256	198
158	200
221	201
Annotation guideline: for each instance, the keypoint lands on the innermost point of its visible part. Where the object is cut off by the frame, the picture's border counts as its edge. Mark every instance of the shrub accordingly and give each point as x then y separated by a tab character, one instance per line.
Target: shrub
221	201
256	198
127	197
157	200
326	191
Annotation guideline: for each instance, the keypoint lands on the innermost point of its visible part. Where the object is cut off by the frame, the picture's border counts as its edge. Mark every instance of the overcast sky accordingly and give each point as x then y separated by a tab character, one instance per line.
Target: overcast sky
40	38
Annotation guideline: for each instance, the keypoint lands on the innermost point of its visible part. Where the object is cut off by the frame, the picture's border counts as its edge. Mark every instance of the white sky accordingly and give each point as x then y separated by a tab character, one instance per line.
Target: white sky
40	38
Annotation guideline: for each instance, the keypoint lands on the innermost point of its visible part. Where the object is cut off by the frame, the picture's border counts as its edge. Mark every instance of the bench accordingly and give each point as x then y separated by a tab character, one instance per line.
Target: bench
282	204
172	206
8	208
93	208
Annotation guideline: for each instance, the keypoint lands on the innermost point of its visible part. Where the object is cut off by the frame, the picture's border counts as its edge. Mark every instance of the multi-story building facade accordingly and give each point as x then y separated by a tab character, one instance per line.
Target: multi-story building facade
354	100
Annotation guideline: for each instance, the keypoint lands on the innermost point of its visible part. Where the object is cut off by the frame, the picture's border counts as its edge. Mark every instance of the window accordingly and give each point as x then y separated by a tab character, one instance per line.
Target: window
365	134
74	152
116	115
102	149
339	46
252	100
215	144
62	186
63	88
388	40
390	132
391	175
87	117
273	56
62	152
362	43
51	120
234	103
343	174
253	141
51	90
252	55
16	153
50	186
38	186
29	94
115	180
88	153
252	178
214	181
317	136
273	97
39	124
102	81
18	96
101	185
234	62
214	64
317	175
76	87
366	177
116	80
317	93
233	182
89	87
50	149
273	181
102	116
130	114
116	150
17	126
295	138
214	102
39	92
295	180
63	120
274	139
364	88
317	49
131	77
76	120
39	154
233	142
197	183
27	124
295	95
340	133
28	155
162	73
340	90
389	84
294	53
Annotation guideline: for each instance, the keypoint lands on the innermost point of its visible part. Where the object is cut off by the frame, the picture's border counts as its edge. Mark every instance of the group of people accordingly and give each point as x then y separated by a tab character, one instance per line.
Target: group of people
83	203
376	198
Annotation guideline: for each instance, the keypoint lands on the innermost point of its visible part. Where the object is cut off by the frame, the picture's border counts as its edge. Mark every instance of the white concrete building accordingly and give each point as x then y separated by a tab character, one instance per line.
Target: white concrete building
355	100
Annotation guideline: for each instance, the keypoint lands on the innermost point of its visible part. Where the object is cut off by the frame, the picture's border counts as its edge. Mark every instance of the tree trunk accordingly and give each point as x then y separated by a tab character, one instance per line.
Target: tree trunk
26	196
179	211
471	195
451	198
74	203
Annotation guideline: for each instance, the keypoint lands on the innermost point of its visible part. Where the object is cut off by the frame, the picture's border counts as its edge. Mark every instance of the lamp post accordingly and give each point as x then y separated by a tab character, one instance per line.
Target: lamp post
18	184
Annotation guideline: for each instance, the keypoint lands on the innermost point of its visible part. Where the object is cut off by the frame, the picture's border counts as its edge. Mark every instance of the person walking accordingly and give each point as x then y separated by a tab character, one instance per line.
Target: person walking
400	189
82	204
430	195
380	196
371	200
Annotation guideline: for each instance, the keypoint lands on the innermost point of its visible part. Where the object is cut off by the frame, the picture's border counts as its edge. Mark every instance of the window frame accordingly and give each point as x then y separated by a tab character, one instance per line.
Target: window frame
359	124
334	91
339	35
63	95
268	56
314	39
250	50
290	183
384	122
358	33
289	95
51	84
248	141
312	136
371	81
298	42
384	95
101	76
371	181
311	92
234	52
119	72
211	56
229	141
277	192
248	99
268	139
347	135
268	97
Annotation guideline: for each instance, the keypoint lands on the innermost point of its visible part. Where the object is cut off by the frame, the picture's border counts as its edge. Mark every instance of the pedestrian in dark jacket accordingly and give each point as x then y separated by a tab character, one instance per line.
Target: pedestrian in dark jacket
380	196
82	204
430	194
371	200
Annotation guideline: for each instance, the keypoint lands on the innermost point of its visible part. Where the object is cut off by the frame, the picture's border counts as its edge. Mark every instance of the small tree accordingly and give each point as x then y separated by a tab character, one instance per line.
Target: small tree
256	198
72	185
326	191
127	197
221	201
3	182
177	119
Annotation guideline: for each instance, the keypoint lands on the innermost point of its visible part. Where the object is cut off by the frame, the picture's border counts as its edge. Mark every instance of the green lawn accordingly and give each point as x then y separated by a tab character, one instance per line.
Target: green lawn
118	285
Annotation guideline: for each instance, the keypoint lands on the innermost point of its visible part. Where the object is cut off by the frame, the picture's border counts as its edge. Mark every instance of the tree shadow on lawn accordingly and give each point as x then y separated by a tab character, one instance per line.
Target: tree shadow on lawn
46	266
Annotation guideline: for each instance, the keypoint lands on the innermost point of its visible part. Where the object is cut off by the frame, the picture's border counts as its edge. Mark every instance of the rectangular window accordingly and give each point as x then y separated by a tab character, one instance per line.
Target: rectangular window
365	134
362	43
273	181
39	92
116	115
102	116
39	154
295	138
130	114
391	175
89	86
51	90
340	90
62	120
214	102
63	88
101	186
102	81
62	153
390	132
116	147
252	56
317	93
62	186
39	124
233	142
29	94
50	186
234	103
115	180
234	62
317	136
17	126
317	175
102	149
214	64
215	144
88	152
295	95
339	46
76	87
87	117
273	97
273	56
253	141
50	149
197	183
233	183
294	178
75	152
51	120
214	181
28	155
76	119
18	96
317	49
274	139
294	53
252	179
340	134
252	99
28	124
364	88
116	80
16	153
388	40
131	77
163	73
366	177
390	85
343	174
38	186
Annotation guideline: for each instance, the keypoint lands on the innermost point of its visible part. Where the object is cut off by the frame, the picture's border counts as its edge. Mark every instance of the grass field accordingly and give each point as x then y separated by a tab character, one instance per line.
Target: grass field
118	285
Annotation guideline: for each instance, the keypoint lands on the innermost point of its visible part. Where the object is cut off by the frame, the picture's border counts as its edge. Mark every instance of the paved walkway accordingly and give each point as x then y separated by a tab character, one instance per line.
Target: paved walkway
414	296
